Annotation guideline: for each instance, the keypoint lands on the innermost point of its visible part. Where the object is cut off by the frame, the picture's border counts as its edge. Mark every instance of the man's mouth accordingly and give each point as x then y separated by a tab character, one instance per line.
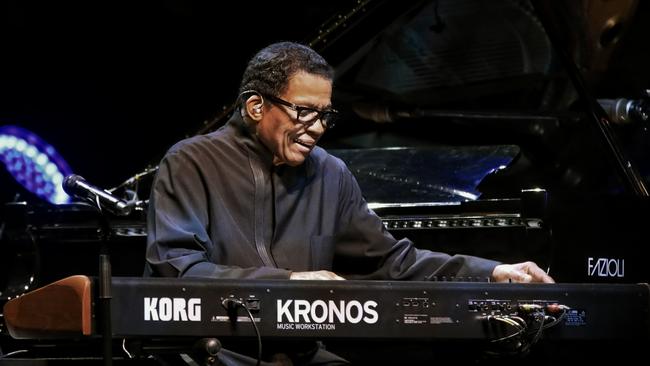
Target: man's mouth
306	144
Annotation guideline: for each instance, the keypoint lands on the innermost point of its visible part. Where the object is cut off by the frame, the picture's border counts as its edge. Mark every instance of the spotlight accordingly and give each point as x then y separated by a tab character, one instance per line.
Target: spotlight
34	163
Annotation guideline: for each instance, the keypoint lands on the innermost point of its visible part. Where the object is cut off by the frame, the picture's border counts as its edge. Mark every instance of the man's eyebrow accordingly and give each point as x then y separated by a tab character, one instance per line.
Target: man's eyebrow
316	107
311	105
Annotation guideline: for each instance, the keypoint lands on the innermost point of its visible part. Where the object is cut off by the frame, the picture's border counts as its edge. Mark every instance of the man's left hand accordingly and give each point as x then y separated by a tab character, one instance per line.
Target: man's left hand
520	272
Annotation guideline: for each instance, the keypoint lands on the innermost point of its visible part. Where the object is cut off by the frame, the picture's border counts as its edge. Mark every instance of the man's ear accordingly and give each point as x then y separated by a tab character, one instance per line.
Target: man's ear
255	107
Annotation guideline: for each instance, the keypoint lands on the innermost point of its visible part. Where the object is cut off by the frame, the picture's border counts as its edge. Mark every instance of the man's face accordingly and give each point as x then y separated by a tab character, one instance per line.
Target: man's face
290	141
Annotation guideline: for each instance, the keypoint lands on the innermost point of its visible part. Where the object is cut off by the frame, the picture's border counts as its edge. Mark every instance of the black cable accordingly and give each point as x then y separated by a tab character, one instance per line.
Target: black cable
507	320
527	333
227	304
557	320
537	333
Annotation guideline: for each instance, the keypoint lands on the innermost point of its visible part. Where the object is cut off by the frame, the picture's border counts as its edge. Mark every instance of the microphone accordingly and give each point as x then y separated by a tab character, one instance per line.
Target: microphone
77	186
625	111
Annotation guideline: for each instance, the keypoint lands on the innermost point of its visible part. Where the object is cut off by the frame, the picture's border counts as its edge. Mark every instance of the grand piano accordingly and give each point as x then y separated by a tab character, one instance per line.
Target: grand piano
474	128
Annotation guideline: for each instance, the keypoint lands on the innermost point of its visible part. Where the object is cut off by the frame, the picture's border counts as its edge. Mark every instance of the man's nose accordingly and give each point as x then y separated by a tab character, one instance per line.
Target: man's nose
318	127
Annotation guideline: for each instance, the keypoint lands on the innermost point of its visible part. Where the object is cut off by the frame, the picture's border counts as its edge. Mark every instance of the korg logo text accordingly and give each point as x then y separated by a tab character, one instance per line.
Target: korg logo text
605	267
319	311
172	309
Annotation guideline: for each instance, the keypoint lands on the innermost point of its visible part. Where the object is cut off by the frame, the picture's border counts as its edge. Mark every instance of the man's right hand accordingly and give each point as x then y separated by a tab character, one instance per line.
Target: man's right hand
315	275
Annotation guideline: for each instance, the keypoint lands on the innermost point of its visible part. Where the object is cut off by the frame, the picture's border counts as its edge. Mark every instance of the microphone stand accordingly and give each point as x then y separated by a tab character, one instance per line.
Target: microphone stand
104	291
77	186
105	304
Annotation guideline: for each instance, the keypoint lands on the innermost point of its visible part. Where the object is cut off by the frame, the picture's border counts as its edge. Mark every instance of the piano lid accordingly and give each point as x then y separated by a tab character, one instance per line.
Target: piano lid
491	73
437	175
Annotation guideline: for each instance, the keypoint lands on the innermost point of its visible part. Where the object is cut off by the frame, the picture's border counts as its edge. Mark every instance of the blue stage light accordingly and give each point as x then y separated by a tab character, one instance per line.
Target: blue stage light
34	163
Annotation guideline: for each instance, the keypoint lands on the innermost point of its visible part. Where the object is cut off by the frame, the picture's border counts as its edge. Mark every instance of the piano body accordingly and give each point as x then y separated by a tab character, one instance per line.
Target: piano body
468	133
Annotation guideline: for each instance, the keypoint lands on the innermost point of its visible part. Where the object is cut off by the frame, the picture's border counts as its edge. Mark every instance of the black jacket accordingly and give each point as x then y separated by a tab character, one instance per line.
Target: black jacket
220	209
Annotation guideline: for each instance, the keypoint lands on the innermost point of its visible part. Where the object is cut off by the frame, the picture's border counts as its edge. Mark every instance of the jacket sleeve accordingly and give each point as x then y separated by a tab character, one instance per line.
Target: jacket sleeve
366	250
178	242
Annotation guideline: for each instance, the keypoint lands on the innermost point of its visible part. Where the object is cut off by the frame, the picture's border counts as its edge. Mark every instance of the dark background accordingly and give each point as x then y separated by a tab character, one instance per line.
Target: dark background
112	84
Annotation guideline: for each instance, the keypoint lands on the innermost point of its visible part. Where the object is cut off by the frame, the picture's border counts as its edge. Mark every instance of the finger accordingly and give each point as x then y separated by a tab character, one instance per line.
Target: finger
539	275
326	275
519	276
334	276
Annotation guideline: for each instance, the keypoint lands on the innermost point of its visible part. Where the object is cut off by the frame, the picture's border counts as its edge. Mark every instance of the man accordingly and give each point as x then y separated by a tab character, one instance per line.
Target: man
258	198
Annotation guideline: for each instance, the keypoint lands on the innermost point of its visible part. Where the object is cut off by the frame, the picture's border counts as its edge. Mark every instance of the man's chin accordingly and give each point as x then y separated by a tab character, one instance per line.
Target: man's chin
297	160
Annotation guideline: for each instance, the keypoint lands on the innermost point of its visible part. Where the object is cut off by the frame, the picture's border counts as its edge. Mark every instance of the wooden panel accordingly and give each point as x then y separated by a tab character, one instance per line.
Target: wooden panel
60	309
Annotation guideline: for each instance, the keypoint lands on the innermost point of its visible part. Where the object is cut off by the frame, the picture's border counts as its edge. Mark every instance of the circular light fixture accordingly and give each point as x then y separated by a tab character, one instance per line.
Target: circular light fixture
34	163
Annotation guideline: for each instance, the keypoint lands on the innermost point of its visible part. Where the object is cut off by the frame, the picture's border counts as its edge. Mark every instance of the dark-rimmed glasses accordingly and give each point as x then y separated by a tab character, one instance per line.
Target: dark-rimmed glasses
308	116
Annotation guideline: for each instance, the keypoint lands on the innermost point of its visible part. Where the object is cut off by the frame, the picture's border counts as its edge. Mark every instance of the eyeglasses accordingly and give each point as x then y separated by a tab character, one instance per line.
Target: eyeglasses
308	116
